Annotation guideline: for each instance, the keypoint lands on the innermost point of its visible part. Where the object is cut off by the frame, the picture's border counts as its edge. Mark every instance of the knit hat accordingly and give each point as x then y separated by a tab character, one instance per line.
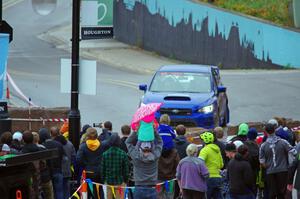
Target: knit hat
65	127
146	145
17	136
252	133
5	148
230	147
273	122
243	129
282	133
238	143
207	137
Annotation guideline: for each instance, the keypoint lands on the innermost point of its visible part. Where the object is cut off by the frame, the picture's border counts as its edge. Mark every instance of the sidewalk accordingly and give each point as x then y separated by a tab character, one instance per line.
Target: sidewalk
109	51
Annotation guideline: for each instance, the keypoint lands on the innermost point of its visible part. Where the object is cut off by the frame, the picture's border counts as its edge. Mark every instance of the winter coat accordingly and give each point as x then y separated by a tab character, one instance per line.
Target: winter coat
240	176
167	164
212	157
253	156
105	135
295	167
167	134
123	145
70	155
221	145
55	165
192	173
181	144
89	155
144	166
274	154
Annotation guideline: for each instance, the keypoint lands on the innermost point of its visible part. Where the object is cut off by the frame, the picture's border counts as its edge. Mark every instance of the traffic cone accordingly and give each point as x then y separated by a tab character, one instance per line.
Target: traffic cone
18	194
84	193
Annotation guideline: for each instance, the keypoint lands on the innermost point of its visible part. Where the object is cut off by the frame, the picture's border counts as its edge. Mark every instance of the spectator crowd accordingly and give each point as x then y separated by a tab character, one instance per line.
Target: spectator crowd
249	165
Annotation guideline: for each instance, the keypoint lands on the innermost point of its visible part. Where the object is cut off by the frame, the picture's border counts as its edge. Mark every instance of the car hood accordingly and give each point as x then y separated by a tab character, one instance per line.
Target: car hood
184	100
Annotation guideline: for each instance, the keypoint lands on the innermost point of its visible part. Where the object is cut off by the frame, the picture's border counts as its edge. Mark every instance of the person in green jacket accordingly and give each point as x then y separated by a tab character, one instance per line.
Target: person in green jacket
211	154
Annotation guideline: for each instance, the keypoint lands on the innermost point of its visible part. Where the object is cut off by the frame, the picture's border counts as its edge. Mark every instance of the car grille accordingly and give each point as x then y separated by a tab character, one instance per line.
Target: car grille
174	111
185	123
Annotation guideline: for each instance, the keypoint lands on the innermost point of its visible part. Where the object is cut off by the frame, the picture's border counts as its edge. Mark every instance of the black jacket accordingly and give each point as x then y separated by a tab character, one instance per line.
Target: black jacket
55	165
181	144
240	176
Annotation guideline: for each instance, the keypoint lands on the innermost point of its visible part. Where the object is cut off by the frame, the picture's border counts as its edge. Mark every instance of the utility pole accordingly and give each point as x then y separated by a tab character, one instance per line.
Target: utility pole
74	115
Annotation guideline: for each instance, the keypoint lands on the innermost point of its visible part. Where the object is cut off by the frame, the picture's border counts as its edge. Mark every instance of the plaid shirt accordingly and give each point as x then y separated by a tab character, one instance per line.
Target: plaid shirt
114	166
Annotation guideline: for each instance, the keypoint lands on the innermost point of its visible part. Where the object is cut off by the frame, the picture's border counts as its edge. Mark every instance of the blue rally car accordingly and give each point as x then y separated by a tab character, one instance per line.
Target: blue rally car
192	95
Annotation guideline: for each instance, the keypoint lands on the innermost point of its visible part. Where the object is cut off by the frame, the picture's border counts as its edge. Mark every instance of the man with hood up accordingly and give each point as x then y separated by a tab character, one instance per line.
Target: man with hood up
273	156
211	154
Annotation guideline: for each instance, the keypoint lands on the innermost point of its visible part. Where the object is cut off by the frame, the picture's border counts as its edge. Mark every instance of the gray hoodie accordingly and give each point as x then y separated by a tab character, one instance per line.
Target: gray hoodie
144	166
274	153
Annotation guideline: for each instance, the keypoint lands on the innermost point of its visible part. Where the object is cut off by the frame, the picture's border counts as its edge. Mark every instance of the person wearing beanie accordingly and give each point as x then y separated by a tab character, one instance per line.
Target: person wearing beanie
212	157
242	133
145	163
253	153
241	181
273	156
64	130
55	165
17	142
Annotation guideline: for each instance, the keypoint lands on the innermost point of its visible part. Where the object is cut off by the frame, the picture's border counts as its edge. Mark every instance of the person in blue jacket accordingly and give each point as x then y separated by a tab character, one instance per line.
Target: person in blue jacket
166	132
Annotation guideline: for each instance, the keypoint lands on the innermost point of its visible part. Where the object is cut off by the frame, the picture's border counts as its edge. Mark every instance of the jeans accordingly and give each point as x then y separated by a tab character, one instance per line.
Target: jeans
214	188
246	196
57	181
144	192
66	187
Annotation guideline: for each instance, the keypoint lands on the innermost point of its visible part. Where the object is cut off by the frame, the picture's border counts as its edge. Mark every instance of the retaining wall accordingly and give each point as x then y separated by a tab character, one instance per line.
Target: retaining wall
200	33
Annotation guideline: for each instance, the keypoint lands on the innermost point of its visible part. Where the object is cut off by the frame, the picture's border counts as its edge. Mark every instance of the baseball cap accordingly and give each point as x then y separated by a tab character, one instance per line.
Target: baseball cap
5	148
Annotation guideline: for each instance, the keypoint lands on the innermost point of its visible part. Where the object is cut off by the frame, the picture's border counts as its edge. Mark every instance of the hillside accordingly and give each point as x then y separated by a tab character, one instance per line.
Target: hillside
276	11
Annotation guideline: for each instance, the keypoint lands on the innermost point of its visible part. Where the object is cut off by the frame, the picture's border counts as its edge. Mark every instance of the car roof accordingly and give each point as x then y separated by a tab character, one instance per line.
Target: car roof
187	68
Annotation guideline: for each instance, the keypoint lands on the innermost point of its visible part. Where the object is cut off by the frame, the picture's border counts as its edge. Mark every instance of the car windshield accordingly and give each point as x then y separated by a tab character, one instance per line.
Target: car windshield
181	82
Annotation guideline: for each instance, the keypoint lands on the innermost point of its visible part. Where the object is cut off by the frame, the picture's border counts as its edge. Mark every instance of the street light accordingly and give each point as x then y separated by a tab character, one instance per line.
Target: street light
44	7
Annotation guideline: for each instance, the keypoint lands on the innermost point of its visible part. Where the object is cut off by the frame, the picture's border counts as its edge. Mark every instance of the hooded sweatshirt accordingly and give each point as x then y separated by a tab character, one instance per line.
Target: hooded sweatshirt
89	155
212	157
240	176
274	154
144	165
181	144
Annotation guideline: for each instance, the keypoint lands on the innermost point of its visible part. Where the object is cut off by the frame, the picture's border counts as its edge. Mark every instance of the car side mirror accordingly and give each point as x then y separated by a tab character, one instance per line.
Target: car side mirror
221	89
143	87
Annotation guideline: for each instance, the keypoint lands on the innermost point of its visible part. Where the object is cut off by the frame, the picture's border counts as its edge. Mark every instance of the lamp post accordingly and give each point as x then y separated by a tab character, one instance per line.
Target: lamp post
74	115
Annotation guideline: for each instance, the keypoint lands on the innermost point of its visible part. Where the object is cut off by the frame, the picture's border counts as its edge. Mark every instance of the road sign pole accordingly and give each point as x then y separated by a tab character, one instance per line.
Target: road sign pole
74	115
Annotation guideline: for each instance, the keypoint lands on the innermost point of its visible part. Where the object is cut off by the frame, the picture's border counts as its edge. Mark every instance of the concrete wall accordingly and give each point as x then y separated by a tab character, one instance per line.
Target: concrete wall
200	33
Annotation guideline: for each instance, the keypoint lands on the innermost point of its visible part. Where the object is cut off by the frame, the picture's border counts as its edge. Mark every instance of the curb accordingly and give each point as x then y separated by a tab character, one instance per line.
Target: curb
103	54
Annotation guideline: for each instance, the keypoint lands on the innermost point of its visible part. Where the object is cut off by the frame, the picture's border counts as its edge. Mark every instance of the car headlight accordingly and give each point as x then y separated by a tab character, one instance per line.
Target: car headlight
207	109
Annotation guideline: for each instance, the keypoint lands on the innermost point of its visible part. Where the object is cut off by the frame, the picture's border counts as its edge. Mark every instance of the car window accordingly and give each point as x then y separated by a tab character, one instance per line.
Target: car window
181	82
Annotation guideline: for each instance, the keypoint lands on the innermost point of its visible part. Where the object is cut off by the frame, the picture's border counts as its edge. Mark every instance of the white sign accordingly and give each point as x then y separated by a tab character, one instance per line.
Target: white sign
87	76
